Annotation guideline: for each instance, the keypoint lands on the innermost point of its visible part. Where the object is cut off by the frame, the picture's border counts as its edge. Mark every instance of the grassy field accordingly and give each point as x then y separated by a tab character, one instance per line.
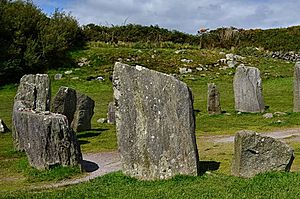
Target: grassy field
15	173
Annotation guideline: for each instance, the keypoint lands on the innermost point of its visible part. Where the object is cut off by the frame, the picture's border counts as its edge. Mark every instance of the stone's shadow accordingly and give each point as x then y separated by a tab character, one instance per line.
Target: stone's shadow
99	129
89	166
81	142
87	135
208	166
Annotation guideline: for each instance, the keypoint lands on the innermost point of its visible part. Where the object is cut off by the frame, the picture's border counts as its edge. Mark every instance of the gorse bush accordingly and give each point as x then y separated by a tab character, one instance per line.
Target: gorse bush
31	42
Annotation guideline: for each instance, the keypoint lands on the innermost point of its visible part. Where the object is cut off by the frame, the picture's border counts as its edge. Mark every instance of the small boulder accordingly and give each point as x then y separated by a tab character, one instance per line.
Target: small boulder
268	115
3	127
58	76
254	154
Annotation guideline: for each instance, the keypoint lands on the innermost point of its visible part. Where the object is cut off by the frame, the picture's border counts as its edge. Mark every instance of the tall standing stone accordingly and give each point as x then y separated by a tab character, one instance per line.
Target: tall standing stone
213	99
254	154
297	87
34	91
111	118
155	124
64	103
84	113
247	87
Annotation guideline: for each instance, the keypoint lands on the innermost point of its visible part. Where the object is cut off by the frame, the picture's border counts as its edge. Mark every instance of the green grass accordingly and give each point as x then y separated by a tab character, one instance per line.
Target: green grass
15	173
116	185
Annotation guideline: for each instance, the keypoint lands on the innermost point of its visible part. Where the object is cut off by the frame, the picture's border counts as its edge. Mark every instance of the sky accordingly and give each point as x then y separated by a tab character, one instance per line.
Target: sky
184	15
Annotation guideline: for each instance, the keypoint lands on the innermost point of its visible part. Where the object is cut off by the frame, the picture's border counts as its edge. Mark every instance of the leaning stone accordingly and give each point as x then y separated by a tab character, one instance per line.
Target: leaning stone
3	127
254	154
34	92
84	113
111	119
46	139
247	87
213	99
64	102
297	87
155	124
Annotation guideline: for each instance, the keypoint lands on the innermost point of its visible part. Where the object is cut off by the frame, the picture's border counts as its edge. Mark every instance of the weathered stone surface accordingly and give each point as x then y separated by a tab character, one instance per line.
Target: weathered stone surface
155	123
297	87
34	92
254	154
247	87
3	127
84	113
46	138
65	102
111	119
213	99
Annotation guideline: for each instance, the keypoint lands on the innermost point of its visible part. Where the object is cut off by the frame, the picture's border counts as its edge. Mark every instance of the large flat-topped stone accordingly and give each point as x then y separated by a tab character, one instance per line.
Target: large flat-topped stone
46	138
247	87
155	123
297	87
34	91
254	154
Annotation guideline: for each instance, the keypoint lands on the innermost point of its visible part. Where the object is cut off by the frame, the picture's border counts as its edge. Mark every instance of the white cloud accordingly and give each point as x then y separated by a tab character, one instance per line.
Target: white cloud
187	16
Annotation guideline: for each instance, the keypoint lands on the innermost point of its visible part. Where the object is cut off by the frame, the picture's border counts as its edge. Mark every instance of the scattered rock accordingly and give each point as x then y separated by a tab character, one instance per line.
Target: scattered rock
247	86
84	113
268	115
111	118
254	154
68	72
297	87
102	120
280	113
57	76
199	69
231	64
186	60
3	127
180	51
83	62
75	78
155	123
213	99
185	70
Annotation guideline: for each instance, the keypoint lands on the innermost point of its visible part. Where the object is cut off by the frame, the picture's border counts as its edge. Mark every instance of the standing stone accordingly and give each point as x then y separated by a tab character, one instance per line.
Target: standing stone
3	127
254	154
155	124
213	99
46	138
247	87
84	113
297	87
65	103
111	119
34	91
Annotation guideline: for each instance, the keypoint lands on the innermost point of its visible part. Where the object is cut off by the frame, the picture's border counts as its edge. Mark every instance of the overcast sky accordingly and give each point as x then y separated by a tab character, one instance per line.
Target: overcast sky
183	15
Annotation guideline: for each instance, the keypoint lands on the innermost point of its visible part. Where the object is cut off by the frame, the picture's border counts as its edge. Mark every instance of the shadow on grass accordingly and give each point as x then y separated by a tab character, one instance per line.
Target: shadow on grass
89	166
209	166
82	142
99	129
87	135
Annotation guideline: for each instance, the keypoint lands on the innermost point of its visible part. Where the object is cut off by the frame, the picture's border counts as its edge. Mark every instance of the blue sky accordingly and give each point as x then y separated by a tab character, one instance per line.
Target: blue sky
183	15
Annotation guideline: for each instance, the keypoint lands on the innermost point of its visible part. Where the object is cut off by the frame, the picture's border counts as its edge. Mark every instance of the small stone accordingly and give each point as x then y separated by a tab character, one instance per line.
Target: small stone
268	115
102	120
278	113
75	78
58	76
68	72
185	70
3	127
186	60
228	114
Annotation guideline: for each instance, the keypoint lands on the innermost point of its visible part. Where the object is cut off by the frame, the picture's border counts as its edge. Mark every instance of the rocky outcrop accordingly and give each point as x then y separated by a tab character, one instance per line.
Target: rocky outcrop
213	99
247	87
84	113
155	123
297	87
254	154
77	107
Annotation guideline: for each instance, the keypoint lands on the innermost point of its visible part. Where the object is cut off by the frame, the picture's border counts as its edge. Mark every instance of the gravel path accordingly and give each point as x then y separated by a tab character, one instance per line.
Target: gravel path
98	164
